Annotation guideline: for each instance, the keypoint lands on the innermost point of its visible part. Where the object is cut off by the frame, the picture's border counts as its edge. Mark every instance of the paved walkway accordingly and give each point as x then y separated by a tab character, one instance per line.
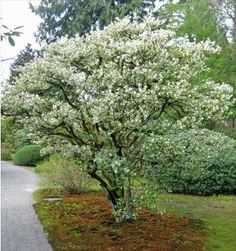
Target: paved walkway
20	228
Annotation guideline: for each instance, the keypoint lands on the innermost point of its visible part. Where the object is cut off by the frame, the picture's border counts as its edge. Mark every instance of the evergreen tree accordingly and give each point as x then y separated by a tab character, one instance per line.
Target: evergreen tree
26	55
65	18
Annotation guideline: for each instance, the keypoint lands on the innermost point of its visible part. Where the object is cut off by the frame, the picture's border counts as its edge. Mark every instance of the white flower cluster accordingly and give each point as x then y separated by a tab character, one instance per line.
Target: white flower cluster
111	88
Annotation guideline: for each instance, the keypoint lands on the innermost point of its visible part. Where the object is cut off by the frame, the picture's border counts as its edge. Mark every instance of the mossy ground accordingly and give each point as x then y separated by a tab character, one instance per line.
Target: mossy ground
85	222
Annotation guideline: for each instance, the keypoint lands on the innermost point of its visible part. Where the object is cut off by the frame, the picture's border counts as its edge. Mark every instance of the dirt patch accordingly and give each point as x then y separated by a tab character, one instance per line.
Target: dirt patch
85	222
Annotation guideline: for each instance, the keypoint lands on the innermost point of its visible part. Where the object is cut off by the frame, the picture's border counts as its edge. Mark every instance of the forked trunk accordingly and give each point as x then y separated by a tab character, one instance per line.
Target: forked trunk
123	213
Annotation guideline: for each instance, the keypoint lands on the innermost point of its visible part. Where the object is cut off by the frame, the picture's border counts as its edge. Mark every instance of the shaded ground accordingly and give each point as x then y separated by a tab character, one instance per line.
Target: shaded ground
85	223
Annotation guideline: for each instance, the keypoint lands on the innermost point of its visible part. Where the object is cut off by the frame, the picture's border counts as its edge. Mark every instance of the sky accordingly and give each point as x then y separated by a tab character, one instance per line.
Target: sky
15	13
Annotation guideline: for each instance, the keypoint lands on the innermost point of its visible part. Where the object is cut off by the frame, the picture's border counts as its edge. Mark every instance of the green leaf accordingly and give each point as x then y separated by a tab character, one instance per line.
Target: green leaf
11	41
16	33
18	27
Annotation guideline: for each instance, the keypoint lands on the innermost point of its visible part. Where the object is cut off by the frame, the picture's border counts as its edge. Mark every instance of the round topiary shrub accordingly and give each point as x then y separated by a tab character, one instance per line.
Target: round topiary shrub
196	161
27	156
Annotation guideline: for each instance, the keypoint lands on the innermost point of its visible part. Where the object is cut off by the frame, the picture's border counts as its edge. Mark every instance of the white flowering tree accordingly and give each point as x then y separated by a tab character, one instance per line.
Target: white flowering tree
99	97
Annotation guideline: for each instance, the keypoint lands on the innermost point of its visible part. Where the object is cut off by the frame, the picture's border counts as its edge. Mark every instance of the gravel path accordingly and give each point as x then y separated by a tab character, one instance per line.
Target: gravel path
20	228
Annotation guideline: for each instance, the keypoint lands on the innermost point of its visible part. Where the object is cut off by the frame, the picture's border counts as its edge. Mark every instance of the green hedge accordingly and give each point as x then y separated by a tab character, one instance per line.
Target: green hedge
27	156
217	177
196	162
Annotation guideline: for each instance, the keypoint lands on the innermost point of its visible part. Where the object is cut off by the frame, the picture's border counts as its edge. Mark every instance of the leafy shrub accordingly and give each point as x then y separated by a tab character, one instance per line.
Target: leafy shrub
27	155
13	136
224	169
195	161
5	154
64	173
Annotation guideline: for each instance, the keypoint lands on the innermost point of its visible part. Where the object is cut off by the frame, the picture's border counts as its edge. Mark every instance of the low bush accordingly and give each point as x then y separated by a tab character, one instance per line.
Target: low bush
27	156
195	161
224	169
63	173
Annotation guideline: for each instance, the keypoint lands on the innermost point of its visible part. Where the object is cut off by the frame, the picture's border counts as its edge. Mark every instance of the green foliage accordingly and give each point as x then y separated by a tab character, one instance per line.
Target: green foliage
196	19
201	20
7	33
68	18
12	134
5	154
222	172
64	173
27	156
230	132
196	162
6	125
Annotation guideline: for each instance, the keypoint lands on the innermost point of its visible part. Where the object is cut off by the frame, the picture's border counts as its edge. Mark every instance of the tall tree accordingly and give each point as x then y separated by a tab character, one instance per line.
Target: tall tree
197	19
202	20
107	94
65	18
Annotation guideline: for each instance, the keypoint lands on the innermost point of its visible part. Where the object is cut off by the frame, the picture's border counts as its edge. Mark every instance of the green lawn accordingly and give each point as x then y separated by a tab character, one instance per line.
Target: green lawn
218	214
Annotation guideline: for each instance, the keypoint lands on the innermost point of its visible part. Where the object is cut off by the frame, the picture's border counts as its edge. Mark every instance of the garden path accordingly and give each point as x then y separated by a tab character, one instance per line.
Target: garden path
20	228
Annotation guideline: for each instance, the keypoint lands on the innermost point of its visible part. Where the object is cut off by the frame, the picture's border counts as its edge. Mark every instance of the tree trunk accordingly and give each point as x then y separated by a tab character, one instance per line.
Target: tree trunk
128	205
127	209
124	213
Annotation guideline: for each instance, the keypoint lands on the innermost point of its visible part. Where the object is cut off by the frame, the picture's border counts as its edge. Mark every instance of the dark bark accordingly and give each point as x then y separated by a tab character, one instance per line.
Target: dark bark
114	195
